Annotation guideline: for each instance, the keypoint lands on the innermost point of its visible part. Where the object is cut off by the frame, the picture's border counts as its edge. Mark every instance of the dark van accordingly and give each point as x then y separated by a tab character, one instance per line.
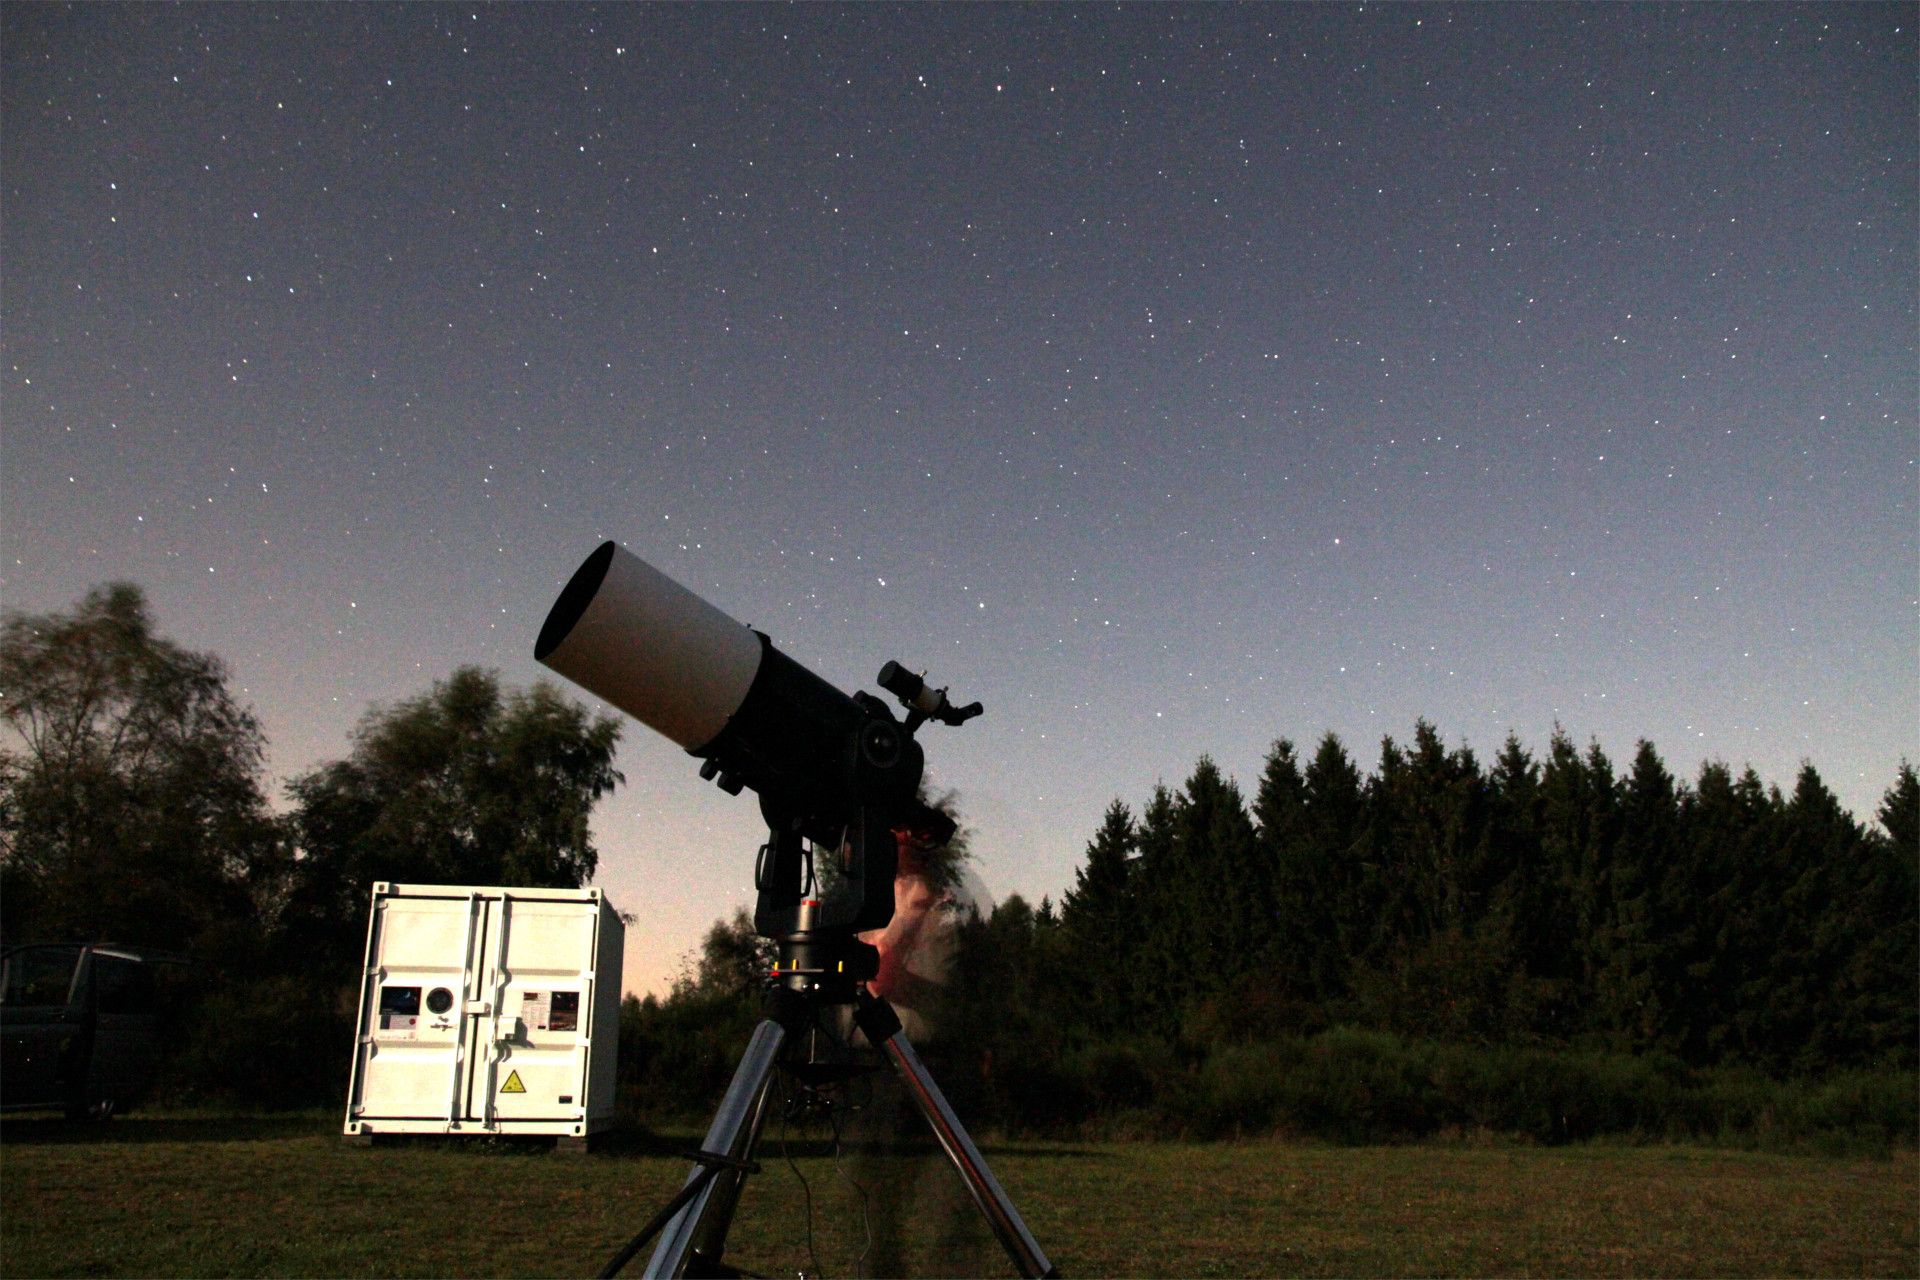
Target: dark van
78	1027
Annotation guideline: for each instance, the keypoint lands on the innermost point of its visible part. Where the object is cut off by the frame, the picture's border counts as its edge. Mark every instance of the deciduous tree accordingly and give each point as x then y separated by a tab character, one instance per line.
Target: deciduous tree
465	784
130	798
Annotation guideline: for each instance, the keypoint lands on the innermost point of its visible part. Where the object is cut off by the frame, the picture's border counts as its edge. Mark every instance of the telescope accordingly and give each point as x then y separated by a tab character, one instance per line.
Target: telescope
838	779
833	769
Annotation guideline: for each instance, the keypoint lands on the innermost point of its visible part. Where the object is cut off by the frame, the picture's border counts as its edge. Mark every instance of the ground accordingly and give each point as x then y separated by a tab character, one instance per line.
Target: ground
216	1196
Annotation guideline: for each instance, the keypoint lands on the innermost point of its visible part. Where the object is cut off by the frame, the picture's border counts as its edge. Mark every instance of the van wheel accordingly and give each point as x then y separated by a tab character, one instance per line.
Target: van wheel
98	1109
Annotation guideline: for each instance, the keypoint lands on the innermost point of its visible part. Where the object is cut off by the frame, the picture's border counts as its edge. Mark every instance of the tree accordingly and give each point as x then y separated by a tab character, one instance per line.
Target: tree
1097	919
1818	849
1876	1015
464	784
1521	908
1576	803
1154	971
733	962
1900	812
1008	1017
1286	857
131	807
677	1054
1723	823
1872	926
1337	876
1095	911
1642	925
1216	898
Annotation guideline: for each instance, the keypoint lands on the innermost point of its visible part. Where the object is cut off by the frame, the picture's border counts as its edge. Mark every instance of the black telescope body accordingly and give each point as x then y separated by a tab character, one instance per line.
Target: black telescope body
833	769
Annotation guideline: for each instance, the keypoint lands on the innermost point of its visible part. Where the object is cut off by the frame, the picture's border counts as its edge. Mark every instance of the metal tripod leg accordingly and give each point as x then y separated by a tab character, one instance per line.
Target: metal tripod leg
875	1017
699	1230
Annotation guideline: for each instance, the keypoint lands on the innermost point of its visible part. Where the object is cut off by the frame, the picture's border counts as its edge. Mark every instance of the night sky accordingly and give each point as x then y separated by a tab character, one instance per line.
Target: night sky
1171	379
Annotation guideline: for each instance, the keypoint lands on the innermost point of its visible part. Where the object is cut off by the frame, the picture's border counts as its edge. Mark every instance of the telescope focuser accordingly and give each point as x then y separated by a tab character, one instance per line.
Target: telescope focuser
922	703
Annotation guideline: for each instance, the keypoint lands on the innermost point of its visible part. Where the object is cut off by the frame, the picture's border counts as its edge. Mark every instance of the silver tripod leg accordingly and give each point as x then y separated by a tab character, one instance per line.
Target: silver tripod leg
981	1184
700	1228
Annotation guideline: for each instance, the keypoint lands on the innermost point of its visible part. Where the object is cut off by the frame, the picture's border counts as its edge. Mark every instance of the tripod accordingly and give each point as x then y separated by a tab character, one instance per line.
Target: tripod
815	973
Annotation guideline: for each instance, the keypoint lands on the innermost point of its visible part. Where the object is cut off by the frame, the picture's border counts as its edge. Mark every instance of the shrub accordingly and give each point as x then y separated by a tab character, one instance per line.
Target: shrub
1353	1086
271	1042
1343	1085
1126	1076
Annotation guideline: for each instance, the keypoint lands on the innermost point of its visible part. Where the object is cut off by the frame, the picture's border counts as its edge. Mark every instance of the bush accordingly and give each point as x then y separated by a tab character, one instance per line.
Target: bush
1366	1086
273	1042
1343	1085
1125	1076
677	1056
1040	1094
1853	1111
1863	1109
1353	1087
1559	1096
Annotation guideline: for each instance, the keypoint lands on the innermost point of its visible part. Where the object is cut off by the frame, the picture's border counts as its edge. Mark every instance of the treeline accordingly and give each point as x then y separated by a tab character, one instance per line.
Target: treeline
1548	946
1553	902
1452	940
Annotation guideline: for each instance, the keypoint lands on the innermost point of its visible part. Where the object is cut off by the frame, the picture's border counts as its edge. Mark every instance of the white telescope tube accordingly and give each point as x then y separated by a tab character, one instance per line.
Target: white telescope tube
640	640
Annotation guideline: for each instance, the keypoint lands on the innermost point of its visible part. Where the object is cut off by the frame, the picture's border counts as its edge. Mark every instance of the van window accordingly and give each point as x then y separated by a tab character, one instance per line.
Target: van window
121	986
39	976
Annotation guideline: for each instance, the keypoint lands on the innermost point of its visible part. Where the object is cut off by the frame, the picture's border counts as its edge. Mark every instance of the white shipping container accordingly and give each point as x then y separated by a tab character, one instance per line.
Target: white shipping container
487	1010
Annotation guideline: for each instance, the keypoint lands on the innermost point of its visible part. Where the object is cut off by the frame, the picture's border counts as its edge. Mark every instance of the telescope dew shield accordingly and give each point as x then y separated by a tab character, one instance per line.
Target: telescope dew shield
628	633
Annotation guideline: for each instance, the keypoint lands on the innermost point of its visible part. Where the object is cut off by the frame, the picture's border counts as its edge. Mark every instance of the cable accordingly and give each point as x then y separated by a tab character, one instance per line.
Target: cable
786	1123
839	1168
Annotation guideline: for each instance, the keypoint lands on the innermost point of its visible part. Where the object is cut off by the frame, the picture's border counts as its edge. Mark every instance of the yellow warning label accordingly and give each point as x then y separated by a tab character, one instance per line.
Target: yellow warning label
513	1084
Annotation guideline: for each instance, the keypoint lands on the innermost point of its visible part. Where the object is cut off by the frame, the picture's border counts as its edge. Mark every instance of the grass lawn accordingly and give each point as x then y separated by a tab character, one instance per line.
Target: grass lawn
213	1196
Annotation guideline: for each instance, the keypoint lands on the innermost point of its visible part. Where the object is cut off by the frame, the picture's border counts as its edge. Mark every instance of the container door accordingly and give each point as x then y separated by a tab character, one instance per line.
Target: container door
542	975
414	1054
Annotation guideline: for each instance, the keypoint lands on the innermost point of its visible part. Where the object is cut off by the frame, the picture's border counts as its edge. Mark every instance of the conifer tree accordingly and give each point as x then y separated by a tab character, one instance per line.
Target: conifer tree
1518	920
1632	949
1221	895
1818	849
1336	829
1155	966
1548	900
1097	921
1434	971
1576	796
1725	852
1900	812
1876	1012
1298	944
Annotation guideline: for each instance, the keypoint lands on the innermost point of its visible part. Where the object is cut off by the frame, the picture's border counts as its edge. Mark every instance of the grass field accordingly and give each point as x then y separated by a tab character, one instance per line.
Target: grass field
220	1196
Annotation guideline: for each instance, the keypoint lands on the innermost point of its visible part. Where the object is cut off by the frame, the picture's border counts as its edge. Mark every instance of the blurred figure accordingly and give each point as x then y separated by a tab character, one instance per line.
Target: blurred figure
916	947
